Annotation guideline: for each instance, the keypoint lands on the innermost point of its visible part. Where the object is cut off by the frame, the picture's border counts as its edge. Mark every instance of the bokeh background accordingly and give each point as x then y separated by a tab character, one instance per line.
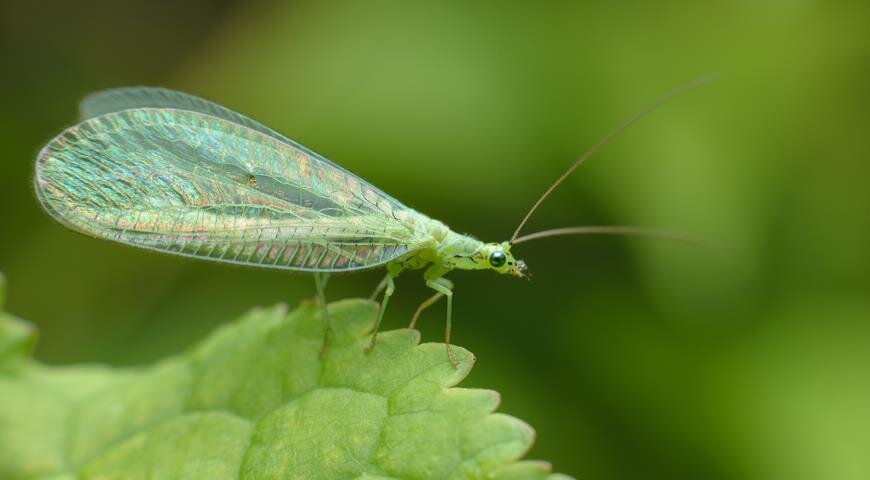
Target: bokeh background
633	358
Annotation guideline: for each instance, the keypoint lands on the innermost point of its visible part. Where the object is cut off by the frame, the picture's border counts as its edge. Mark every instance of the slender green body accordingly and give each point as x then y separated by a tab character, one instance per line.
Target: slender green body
168	171
171	172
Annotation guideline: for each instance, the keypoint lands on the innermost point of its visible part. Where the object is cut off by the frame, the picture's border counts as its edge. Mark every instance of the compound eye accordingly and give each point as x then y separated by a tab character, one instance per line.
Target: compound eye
497	259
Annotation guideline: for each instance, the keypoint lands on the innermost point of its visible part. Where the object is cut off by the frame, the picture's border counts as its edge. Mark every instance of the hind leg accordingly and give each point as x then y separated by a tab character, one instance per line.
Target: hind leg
320	279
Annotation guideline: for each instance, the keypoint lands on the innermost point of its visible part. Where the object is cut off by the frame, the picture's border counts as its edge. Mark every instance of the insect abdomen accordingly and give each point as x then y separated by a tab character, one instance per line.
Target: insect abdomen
291	255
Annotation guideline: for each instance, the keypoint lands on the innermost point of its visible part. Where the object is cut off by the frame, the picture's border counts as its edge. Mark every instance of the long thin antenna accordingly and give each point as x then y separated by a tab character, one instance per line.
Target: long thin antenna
617	230
610	136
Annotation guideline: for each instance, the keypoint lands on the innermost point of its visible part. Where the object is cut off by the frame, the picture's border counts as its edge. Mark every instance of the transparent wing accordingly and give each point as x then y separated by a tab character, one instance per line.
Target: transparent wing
126	98
190	183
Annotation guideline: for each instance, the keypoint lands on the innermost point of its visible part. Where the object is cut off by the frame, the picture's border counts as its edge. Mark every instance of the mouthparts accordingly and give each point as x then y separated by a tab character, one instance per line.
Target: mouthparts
522	270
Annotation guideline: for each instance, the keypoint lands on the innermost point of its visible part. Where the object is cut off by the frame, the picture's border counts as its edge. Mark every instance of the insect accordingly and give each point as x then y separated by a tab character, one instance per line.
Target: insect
168	171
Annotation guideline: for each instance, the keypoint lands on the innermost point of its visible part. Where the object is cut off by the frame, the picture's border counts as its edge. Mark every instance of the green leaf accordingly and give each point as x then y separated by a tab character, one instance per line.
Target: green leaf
254	401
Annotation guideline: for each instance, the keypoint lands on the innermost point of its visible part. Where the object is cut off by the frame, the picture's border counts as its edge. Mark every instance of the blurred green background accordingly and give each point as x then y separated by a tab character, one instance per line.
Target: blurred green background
633	358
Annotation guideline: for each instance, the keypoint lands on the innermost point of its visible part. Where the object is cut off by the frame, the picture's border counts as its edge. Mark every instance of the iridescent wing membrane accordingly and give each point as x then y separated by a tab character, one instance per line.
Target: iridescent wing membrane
167	171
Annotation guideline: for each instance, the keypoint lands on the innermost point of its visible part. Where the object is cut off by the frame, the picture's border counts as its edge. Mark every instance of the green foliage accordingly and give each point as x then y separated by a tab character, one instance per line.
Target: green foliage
255	401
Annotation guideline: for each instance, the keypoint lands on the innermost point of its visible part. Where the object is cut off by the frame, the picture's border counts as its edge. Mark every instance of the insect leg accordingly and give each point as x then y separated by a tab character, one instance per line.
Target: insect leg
320	279
429	302
390	288
380	288
442	286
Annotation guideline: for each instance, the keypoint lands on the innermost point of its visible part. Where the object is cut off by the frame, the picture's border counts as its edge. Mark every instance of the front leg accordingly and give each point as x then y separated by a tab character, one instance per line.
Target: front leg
429	302
443	287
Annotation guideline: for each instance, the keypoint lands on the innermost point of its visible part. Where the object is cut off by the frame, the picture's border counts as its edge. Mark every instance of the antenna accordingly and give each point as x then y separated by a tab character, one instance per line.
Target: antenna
607	138
634	231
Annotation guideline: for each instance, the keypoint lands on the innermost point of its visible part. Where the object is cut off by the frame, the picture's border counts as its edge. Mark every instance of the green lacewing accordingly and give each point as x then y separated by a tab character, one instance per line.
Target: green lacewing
172	172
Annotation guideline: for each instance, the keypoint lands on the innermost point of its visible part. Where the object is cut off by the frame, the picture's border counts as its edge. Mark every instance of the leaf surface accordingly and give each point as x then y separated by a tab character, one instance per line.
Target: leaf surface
255	401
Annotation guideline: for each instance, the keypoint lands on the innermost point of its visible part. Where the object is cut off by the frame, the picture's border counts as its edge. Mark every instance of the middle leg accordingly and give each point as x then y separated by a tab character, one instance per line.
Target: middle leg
380	288
390	285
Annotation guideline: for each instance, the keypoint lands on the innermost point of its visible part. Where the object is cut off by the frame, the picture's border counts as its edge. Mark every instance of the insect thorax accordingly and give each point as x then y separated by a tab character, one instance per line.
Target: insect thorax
442	249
